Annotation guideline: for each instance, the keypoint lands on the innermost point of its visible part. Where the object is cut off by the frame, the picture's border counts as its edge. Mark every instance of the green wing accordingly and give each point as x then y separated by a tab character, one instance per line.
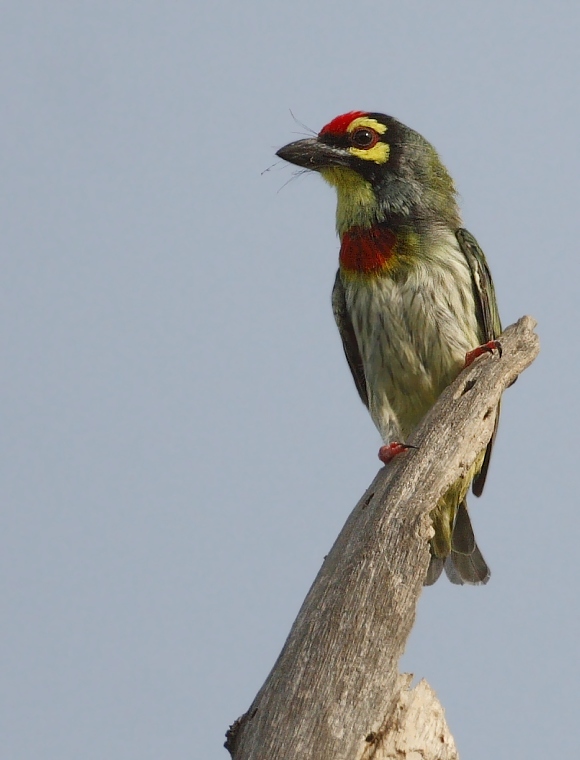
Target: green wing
346	330
488	320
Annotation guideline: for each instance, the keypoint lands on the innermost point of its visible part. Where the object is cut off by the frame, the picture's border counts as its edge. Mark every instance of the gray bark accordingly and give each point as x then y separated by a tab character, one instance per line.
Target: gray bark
335	692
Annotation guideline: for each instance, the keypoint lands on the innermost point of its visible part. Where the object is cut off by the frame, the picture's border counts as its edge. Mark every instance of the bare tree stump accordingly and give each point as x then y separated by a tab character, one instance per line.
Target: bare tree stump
335	692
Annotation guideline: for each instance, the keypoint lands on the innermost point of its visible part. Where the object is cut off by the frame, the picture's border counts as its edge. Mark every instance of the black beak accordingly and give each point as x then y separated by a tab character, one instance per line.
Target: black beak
313	154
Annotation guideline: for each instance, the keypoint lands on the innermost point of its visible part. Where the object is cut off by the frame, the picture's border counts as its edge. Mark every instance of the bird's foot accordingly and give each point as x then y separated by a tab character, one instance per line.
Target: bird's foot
487	348
388	452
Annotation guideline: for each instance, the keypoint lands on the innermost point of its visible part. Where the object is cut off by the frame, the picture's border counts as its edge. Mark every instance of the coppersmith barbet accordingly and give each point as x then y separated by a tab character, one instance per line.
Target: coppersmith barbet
413	297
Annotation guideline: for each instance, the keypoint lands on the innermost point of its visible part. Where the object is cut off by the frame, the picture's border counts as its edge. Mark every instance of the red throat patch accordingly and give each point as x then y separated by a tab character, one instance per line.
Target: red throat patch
367	250
339	125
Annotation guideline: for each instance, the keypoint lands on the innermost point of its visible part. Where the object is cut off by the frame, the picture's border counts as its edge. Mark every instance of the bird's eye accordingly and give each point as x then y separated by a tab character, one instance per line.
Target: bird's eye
364	138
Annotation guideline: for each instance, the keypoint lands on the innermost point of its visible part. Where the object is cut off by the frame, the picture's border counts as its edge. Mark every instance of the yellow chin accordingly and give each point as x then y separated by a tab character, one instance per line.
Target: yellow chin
356	199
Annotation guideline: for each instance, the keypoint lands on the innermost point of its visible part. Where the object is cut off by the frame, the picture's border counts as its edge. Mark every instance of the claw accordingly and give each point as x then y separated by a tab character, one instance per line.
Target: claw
487	348
388	452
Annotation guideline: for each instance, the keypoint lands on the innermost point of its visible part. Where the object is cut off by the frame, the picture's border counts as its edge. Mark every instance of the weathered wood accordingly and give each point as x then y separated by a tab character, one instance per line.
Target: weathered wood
416	728
335	692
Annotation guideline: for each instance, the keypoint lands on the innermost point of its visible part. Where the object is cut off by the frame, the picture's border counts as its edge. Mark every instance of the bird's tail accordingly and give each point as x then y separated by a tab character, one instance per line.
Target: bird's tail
465	563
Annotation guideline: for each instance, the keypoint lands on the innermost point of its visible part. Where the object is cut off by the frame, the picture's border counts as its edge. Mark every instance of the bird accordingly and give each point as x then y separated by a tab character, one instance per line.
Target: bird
413	298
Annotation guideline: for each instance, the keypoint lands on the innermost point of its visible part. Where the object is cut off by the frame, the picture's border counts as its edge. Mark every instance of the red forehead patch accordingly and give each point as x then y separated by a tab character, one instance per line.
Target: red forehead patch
339	125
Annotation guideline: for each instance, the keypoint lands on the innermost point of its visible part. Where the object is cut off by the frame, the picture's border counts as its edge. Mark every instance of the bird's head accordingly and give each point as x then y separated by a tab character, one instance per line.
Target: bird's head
382	170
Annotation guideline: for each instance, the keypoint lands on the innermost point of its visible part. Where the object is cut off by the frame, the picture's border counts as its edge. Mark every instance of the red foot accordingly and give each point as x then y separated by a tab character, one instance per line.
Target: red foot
391	450
487	348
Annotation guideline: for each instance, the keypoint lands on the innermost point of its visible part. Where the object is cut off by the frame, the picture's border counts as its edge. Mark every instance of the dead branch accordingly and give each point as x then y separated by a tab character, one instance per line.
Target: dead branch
335	692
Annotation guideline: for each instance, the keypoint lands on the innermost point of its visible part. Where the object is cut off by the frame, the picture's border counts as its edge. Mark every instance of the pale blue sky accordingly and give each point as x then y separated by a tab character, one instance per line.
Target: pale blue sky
181	438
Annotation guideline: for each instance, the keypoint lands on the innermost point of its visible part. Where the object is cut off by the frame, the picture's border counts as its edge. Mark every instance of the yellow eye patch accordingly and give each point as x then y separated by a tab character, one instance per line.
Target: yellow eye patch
379	153
364	121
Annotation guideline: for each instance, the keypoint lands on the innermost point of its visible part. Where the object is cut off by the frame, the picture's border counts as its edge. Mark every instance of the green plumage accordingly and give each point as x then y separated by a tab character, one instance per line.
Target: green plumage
409	312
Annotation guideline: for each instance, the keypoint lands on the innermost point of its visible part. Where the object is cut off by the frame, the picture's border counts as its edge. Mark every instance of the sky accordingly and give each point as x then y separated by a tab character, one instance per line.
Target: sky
181	438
